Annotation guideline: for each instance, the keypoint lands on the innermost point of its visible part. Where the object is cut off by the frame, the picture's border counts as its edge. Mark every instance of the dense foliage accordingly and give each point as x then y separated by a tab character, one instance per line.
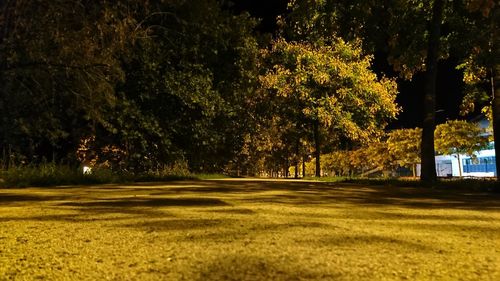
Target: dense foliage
414	36
401	149
129	85
141	86
405	146
328	92
460	137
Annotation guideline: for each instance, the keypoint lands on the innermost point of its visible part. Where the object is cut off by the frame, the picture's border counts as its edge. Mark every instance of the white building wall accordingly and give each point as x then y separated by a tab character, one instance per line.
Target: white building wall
482	153
456	165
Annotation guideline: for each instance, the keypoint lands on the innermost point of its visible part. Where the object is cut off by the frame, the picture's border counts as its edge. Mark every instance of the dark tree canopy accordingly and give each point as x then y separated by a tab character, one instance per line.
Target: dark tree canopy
139	85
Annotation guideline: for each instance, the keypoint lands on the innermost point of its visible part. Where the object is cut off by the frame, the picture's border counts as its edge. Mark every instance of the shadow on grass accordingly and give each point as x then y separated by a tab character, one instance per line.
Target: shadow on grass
356	193
330	194
178	224
275	192
65	218
225	230
420	198
150	202
237	211
428	217
19	198
245	267
453	228
389	243
93	214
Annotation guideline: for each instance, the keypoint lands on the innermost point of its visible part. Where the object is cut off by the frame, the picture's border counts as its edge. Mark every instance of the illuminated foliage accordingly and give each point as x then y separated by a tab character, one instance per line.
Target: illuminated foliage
404	146
332	88
460	137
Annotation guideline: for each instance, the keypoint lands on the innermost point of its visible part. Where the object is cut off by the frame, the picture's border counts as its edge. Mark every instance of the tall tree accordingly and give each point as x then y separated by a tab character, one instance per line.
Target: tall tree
156	80
408	32
479	43
428	172
57	73
337	93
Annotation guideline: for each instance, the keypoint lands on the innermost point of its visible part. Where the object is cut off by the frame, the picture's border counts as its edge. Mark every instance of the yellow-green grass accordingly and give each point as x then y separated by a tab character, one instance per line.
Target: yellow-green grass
248	230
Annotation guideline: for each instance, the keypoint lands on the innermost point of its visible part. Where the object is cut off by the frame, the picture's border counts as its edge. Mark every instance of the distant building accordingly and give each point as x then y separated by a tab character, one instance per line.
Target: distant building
483	165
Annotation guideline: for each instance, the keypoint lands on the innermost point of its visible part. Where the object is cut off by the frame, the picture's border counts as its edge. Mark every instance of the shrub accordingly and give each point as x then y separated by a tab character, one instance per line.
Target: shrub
50	174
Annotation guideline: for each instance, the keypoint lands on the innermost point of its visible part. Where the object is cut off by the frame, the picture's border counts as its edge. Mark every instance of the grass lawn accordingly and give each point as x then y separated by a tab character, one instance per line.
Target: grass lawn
248	230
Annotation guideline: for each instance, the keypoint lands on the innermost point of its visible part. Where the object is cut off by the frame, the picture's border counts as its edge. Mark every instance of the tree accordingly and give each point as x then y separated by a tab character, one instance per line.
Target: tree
479	44
404	146
334	89
428	172
407	32
158	81
373	157
367	159
212	79
57	74
460	137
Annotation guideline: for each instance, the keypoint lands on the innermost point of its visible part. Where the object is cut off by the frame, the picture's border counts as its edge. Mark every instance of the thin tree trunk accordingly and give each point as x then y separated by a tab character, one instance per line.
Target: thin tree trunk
10	160
496	116
287	168
4	158
317	149
428	173
459	165
297	149
495	85
304	158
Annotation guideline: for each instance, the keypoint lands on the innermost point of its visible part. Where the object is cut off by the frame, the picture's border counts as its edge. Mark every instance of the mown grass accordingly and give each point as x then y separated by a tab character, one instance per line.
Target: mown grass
211	176
329	179
471	184
248	230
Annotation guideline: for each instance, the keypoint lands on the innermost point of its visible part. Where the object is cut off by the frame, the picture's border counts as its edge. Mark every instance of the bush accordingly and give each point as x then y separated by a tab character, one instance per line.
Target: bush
50	174
211	176
176	171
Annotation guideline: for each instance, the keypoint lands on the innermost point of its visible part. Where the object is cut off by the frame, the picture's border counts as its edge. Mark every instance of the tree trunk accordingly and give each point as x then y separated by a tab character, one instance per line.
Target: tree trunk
496	116
428	173
297	150
5	165
287	168
414	170
317	149
304	159
459	165
495	85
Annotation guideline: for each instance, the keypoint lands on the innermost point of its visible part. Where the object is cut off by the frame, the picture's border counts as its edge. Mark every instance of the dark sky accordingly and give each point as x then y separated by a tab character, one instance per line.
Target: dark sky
449	94
449	89
267	11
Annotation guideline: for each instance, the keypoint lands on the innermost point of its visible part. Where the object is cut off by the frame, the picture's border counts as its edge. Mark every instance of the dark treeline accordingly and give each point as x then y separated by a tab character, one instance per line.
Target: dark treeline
140	85
135	84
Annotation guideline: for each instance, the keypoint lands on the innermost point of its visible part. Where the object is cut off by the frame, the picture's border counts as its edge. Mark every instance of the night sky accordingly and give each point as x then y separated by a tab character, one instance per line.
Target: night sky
266	11
449	88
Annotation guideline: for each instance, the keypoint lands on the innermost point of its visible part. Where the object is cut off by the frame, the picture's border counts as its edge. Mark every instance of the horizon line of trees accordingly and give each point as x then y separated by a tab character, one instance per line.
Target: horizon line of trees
401	148
139	85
